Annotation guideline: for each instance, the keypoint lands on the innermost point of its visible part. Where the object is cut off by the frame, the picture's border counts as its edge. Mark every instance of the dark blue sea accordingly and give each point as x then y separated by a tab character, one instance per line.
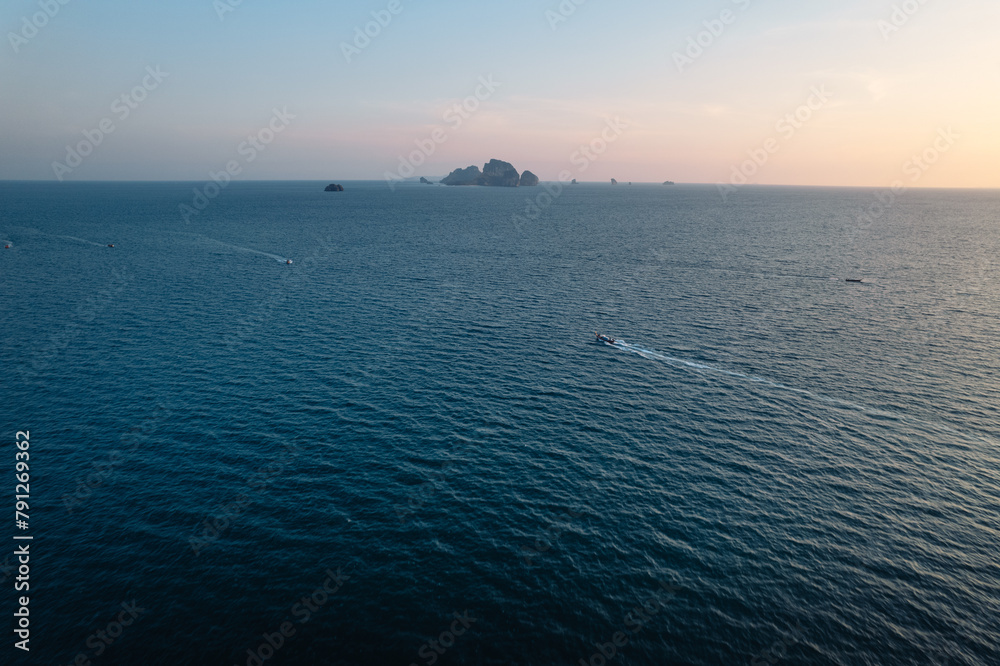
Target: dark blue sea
407	446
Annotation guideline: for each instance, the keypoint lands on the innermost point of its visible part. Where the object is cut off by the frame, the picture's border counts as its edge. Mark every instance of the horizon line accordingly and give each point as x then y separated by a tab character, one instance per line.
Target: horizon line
416	182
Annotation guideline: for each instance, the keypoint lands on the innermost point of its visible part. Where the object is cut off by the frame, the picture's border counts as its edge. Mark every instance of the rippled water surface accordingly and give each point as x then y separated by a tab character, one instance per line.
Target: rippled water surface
409	434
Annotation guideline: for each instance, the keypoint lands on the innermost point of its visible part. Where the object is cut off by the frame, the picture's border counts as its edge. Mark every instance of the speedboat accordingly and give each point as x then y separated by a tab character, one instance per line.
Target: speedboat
605	338
289	262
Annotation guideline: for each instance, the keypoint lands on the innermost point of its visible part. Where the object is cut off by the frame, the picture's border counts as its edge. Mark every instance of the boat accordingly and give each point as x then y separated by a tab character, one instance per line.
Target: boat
854	279
289	262
111	244
605	338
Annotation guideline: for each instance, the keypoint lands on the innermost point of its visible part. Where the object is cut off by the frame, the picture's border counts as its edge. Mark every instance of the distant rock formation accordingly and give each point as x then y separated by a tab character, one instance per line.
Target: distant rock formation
495	173
614	182
424	181
669	182
574	182
528	179
498	173
334	188
467	176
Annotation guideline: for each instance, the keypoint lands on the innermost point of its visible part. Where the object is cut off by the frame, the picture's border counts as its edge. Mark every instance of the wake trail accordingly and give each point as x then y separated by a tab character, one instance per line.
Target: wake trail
235	247
648	353
704	368
75	239
79	240
737	271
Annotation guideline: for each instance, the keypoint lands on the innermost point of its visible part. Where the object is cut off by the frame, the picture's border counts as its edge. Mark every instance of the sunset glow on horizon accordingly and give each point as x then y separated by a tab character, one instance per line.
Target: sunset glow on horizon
834	93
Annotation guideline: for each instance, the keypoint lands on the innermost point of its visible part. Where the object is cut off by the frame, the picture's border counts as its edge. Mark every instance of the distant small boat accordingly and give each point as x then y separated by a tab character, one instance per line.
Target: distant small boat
289	261
111	244
854	279
605	338
6	247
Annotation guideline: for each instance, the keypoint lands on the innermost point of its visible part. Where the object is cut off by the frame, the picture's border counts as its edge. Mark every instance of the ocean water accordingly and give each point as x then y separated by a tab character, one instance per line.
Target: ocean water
406	447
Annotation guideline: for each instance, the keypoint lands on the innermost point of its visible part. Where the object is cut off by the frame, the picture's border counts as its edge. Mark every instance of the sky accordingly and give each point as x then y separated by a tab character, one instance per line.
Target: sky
837	93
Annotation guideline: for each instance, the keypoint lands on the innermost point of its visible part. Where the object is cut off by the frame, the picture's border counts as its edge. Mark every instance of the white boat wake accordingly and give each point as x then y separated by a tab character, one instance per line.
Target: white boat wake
75	239
836	402
236	247
650	354
81	240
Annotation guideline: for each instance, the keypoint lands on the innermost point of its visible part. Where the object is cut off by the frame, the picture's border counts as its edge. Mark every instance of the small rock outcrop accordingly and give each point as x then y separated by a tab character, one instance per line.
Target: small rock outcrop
528	179
334	188
467	176
669	182
614	182
424	181
574	182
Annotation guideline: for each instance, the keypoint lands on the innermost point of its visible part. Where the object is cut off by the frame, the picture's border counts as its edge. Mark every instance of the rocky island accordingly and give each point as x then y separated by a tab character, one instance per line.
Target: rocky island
468	176
334	188
495	173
